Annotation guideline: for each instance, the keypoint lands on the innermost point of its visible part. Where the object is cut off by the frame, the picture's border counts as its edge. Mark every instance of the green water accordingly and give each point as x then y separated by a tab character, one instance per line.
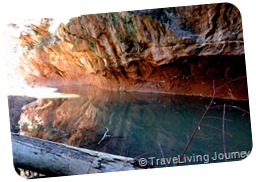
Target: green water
152	127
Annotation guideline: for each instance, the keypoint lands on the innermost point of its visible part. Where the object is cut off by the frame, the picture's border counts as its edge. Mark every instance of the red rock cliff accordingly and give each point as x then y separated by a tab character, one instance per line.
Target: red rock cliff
173	50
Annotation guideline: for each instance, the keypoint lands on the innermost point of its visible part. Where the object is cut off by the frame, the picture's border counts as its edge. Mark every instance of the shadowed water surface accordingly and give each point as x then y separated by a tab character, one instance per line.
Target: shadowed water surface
141	125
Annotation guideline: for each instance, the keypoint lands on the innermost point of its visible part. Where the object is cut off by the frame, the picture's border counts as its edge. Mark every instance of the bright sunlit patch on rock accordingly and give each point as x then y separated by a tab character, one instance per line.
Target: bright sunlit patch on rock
16	86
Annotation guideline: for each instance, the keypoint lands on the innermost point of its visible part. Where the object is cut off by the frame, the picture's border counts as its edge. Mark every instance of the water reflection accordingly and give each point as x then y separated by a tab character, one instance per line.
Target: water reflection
139	124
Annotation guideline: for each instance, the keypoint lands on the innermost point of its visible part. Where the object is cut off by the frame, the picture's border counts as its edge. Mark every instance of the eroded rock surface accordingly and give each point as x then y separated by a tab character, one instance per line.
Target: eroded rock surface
173	50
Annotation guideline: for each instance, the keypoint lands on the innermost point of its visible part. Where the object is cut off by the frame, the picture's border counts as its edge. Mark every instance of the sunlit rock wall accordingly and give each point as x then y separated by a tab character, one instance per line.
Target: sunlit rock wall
173	50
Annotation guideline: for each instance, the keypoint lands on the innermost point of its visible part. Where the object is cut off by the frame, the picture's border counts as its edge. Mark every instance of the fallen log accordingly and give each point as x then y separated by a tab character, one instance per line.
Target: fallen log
57	159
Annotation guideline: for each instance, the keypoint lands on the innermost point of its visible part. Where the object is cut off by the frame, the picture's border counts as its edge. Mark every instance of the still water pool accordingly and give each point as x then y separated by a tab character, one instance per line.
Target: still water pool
147	126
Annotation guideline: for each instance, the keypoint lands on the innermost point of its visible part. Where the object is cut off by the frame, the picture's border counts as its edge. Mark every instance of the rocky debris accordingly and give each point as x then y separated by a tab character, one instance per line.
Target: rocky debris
177	50
16	104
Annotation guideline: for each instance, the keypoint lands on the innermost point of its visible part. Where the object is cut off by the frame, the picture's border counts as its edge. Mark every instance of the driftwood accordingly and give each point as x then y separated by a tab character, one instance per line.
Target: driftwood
59	159
104	136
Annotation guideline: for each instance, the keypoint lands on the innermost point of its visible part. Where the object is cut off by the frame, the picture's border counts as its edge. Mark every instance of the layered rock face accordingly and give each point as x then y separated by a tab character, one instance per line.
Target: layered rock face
172	50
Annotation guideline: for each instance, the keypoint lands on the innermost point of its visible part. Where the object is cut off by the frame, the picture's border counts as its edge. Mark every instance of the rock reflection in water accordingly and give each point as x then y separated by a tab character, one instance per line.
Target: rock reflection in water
138	123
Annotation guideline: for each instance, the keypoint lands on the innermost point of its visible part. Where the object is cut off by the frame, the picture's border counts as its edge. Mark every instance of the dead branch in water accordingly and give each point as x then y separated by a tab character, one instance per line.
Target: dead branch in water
162	153
104	136
230	106
239	78
199	123
226	133
223	132
213	117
